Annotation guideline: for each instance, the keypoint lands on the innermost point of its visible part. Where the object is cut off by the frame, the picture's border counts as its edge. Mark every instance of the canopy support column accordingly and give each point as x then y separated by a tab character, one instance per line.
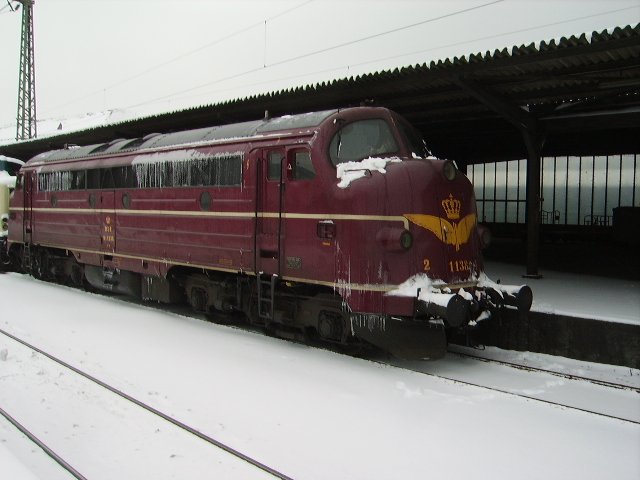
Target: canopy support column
533	137
534	146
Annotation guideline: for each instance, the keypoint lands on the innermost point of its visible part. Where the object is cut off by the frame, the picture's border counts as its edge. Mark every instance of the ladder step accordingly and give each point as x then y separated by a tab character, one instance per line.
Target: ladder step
266	296
26	257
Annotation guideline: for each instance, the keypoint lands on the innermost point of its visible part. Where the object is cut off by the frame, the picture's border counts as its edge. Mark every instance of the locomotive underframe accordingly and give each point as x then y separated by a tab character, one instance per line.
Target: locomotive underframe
299	312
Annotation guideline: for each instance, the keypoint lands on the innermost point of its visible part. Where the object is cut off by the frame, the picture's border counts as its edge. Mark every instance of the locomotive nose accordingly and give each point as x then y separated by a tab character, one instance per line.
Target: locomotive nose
458	309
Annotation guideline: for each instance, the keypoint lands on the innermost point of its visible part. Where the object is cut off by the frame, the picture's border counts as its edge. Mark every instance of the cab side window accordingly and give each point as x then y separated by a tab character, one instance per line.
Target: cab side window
274	165
301	166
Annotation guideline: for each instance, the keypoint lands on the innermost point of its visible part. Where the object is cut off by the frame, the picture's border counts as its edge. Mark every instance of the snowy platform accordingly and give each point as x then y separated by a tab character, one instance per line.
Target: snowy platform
576	316
580	296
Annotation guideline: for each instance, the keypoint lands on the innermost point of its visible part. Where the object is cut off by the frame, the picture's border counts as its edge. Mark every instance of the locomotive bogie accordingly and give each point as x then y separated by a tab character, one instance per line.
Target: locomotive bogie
312	226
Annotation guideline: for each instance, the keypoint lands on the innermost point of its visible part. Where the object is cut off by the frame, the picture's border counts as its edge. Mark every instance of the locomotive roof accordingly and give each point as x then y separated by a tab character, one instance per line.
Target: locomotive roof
188	137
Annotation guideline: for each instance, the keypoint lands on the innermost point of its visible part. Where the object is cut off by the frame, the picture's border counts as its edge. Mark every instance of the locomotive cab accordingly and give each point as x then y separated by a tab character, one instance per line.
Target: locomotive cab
416	253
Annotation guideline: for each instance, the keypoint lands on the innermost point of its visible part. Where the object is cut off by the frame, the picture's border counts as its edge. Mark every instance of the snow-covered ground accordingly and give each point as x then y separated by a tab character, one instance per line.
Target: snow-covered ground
306	412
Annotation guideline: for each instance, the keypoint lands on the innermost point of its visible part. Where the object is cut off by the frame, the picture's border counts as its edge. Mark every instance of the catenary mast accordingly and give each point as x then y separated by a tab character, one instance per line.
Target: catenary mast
26	119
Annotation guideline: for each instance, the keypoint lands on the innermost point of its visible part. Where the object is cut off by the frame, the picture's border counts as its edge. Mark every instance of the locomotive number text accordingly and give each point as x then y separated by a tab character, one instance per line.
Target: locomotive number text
426	264
462	265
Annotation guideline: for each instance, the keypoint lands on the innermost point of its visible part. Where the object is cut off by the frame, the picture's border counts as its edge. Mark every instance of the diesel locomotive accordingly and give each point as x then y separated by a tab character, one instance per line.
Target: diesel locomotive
336	225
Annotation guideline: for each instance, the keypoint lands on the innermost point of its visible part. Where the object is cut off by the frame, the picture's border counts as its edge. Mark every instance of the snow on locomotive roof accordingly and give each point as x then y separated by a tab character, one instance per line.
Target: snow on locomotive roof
186	137
4	159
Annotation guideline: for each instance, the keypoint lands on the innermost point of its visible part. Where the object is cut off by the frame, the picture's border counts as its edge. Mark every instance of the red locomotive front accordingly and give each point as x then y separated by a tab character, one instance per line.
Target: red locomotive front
335	225
407	242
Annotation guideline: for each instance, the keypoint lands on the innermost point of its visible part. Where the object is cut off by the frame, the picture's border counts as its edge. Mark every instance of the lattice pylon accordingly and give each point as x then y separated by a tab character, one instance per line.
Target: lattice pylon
26	119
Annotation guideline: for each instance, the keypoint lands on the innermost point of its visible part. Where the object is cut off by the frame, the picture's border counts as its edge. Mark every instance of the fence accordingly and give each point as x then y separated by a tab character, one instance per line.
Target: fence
574	190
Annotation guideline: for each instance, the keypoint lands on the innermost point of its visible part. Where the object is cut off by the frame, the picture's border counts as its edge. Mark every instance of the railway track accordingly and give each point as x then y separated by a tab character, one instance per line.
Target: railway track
242	456
529	368
188	312
571	377
512	365
530	397
43	446
405	365
458	380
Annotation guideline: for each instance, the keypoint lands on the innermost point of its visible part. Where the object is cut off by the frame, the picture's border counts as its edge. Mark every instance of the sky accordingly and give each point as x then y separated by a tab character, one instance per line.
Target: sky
153	56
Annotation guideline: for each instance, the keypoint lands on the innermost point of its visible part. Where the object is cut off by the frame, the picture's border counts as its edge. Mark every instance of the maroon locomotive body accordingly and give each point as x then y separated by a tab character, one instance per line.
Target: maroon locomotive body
337	225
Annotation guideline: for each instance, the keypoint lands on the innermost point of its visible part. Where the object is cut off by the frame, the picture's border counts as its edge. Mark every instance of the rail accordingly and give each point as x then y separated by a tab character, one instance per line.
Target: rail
152	410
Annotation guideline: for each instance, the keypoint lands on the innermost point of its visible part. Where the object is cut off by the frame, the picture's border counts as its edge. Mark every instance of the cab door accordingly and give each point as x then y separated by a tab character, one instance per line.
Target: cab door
310	241
269	208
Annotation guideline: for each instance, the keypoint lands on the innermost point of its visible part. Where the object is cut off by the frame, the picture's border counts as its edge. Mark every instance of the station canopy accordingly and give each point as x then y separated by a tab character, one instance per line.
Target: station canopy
577	96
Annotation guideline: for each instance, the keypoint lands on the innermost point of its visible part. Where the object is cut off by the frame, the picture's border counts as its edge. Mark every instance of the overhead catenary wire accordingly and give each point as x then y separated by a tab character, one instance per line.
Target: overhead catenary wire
401	55
387	32
187	93
185	55
8	5
207	45
323	50
353	65
282	62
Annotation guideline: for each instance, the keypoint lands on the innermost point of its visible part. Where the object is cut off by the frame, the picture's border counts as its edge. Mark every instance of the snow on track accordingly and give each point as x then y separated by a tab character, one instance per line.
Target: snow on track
309	413
69	413
12	467
619	403
596	372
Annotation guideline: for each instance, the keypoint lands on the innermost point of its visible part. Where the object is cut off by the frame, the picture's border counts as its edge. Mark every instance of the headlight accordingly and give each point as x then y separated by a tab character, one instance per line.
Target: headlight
395	239
449	170
406	240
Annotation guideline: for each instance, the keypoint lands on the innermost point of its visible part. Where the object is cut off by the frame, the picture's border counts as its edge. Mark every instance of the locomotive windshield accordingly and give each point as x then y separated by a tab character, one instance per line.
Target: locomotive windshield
362	139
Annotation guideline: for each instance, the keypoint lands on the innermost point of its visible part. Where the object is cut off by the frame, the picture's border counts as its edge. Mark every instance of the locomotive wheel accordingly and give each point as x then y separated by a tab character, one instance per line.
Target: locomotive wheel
38	265
77	275
198	299
330	326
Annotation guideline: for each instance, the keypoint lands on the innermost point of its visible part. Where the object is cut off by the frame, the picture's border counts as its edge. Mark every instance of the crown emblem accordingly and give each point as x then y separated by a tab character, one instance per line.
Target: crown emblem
451	207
